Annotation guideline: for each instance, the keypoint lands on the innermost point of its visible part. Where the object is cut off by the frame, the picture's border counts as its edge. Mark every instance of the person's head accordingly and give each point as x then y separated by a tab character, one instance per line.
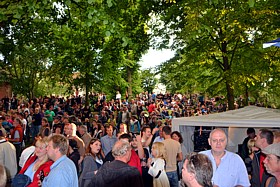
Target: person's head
160	132
264	138
45	122
134	142
251	146
3	176
41	147
82	129
175	135
21	115
218	141
146	132
158	150
272	159
71	129
66	120
56	119
166	131
73	145
276	135
57	147
197	170
123	128
125	137
57	129
94	147
109	130
37	110
17	122
122	151
251	133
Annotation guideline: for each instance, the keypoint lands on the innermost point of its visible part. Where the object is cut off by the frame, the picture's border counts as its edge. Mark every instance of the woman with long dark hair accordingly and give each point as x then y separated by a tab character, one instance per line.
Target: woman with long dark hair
91	163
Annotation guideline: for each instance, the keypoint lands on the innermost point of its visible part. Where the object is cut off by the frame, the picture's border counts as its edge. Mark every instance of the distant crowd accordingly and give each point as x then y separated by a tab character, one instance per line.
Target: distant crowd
56	141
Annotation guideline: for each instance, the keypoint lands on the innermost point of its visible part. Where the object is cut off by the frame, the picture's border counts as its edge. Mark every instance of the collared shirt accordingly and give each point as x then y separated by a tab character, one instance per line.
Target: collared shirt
158	139
107	143
230	172
63	174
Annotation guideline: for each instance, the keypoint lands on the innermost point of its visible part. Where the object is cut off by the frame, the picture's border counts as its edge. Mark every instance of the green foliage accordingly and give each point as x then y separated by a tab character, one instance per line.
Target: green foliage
83	43
148	80
219	45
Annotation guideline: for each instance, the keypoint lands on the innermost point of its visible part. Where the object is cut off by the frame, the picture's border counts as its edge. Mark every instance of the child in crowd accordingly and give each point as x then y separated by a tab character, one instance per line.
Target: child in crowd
157	165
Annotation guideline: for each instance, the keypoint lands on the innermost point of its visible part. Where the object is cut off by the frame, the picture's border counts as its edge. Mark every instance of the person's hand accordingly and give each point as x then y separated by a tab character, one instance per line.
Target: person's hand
138	138
155	130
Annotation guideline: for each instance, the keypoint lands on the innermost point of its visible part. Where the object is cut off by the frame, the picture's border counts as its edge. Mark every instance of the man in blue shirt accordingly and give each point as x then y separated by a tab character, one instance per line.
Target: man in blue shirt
63	171
229	169
108	141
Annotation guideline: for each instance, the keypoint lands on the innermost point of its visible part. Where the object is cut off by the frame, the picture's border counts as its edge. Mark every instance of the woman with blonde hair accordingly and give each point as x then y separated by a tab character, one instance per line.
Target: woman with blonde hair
157	165
91	163
248	161
37	167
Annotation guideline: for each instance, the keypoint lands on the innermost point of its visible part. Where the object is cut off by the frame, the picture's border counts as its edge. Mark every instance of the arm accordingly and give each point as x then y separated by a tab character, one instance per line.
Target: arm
14	139
149	140
140	149
179	157
89	167
157	167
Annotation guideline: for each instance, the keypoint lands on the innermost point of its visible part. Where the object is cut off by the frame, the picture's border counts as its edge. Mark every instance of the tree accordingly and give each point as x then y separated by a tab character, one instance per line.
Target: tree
212	38
148	80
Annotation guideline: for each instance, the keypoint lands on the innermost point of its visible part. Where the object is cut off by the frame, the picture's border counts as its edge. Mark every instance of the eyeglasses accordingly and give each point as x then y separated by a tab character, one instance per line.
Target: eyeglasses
218	141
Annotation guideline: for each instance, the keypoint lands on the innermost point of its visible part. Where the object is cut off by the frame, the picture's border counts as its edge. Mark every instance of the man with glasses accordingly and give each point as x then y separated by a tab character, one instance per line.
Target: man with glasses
197	170
228	168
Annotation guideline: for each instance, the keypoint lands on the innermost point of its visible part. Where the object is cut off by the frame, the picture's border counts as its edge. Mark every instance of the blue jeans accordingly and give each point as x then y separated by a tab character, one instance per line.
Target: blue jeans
173	178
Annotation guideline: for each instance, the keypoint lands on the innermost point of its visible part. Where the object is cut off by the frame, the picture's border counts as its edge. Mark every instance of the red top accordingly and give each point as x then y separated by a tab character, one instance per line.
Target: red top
151	108
262	157
44	167
20	131
135	161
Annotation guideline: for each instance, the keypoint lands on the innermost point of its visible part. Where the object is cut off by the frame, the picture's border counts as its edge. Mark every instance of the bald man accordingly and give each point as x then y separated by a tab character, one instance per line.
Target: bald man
229	169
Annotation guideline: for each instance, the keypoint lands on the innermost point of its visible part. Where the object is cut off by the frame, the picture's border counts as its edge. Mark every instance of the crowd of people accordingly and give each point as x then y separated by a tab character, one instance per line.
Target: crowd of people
56	141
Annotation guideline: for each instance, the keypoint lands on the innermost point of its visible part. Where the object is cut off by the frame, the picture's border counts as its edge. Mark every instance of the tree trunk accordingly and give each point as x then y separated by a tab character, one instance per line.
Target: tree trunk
227	74
246	96
87	90
230	96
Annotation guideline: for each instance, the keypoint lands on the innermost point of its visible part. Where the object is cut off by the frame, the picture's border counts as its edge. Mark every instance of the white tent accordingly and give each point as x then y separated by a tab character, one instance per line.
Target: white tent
237	121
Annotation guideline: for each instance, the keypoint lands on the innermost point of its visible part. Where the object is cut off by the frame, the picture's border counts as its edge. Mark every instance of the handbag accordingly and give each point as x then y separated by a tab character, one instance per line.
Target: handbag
21	180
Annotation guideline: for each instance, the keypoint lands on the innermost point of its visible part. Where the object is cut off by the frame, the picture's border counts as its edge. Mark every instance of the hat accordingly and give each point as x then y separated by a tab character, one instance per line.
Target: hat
273	149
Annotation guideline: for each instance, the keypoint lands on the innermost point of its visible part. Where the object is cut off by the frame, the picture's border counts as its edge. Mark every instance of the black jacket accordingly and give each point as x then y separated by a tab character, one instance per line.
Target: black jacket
117	174
255	181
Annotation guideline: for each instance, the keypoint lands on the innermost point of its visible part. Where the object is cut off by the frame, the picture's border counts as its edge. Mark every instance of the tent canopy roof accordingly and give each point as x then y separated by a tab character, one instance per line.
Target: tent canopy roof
250	116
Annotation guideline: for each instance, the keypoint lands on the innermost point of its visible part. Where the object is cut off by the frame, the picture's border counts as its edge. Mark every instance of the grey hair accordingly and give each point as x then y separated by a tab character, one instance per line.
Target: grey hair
120	148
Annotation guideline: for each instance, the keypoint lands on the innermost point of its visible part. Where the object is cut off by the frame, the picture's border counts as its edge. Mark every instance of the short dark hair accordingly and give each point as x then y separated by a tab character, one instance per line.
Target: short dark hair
144	128
167	130
126	136
251	130
267	134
